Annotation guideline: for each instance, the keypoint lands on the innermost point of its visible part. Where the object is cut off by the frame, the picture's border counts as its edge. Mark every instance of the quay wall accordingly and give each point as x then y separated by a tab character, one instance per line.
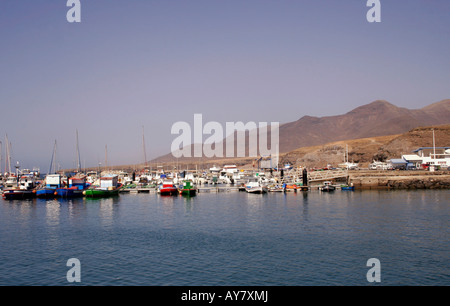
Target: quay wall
399	179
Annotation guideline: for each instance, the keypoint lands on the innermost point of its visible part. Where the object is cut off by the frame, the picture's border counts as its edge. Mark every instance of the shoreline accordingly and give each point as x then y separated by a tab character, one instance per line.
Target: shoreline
373	179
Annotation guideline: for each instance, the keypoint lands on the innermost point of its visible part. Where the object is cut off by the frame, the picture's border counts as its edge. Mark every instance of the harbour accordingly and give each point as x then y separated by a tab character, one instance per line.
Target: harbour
228	239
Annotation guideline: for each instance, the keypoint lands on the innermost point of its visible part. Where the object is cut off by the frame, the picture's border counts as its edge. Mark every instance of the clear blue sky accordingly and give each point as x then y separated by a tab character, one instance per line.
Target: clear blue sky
150	63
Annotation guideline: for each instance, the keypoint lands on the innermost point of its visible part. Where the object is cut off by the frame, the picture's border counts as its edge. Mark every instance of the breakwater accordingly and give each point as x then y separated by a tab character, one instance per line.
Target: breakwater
373	179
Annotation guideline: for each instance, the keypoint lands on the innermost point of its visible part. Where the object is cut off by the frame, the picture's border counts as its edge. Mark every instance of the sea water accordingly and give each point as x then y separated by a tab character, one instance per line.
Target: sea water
229	239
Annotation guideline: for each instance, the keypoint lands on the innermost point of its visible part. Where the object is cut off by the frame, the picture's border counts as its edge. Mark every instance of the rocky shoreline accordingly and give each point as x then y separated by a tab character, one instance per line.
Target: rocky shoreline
400	179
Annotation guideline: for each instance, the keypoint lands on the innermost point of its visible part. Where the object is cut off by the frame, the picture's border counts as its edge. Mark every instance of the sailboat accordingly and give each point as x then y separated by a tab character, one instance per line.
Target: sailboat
346	164
52	180
76	184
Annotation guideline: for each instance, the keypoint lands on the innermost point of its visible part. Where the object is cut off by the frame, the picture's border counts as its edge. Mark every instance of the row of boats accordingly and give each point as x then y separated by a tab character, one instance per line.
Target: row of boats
28	185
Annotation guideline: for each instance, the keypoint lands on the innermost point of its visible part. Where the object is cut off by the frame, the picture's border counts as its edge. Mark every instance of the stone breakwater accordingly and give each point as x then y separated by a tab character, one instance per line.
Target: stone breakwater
399	179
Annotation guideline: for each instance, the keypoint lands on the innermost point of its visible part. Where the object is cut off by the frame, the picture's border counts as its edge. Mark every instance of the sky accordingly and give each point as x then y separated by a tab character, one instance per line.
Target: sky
143	65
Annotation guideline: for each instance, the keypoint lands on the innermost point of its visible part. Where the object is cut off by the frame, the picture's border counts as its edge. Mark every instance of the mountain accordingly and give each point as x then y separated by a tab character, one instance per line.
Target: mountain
379	118
365	150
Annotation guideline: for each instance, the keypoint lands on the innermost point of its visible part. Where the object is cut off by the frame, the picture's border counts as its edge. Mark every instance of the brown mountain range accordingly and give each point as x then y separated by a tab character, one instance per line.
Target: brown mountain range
379	118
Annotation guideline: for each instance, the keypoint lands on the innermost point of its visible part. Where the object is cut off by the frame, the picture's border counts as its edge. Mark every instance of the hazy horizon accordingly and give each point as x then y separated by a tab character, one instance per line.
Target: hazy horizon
134	64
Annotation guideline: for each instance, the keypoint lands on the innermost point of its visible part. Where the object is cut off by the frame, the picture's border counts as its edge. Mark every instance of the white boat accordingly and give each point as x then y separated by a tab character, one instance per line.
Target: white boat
327	186
254	186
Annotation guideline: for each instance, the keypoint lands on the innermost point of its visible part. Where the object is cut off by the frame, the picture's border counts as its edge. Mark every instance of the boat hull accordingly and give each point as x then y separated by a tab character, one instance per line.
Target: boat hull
348	188
256	190
93	193
328	188
18	194
45	193
168	191
188	192
69	193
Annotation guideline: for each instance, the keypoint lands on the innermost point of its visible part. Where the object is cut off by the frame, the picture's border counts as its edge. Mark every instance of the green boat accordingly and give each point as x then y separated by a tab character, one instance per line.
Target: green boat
188	188
101	192
109	187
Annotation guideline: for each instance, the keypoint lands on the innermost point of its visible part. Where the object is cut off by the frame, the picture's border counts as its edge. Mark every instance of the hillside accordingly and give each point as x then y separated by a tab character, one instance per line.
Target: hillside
365	150
379	118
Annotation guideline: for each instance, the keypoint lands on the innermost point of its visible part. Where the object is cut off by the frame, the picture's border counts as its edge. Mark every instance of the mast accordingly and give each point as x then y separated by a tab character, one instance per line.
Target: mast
106	157
1	158
434	147
53	161
143	144
78	156
8	156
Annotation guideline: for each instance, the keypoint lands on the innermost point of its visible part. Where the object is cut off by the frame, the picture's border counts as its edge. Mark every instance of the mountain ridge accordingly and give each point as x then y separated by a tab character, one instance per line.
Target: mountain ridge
377	118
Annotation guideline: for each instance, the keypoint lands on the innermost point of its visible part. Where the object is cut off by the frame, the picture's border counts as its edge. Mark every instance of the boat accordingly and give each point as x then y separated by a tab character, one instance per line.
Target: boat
77	185
109	186
291	187
188	188
276	188
254	186
52	182
167	188
327	186
346	187
24	189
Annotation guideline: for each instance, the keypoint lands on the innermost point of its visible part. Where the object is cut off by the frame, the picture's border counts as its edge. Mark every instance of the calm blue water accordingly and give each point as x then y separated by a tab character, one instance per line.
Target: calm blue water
229	239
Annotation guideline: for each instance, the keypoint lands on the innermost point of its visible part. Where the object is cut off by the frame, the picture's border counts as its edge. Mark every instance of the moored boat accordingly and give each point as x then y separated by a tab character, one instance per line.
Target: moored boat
277	188
24	189
346	187
254	186
167	188
109	186
188	188
327	186
52	182
77	184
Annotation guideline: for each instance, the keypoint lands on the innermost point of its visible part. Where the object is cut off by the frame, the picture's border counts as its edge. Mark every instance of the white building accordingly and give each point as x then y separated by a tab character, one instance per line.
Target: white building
430	156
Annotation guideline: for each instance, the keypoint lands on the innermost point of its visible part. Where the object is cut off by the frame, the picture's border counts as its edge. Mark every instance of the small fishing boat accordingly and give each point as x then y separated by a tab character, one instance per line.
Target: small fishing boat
276	188
52	182
291	187
24	189
167	188
254	186
109	187
188	188
327	186
77	184
346	187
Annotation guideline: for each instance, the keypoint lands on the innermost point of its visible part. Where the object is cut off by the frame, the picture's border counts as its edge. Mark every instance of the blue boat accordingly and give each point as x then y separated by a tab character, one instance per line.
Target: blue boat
347	187
52	183
77	184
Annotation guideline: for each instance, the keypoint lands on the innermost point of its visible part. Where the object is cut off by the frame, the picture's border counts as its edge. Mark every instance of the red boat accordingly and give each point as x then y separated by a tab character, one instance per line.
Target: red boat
167	188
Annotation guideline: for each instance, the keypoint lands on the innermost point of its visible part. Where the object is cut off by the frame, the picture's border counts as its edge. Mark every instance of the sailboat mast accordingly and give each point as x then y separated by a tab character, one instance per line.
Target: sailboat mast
78	156
434	147
143	144
52	162
8	156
